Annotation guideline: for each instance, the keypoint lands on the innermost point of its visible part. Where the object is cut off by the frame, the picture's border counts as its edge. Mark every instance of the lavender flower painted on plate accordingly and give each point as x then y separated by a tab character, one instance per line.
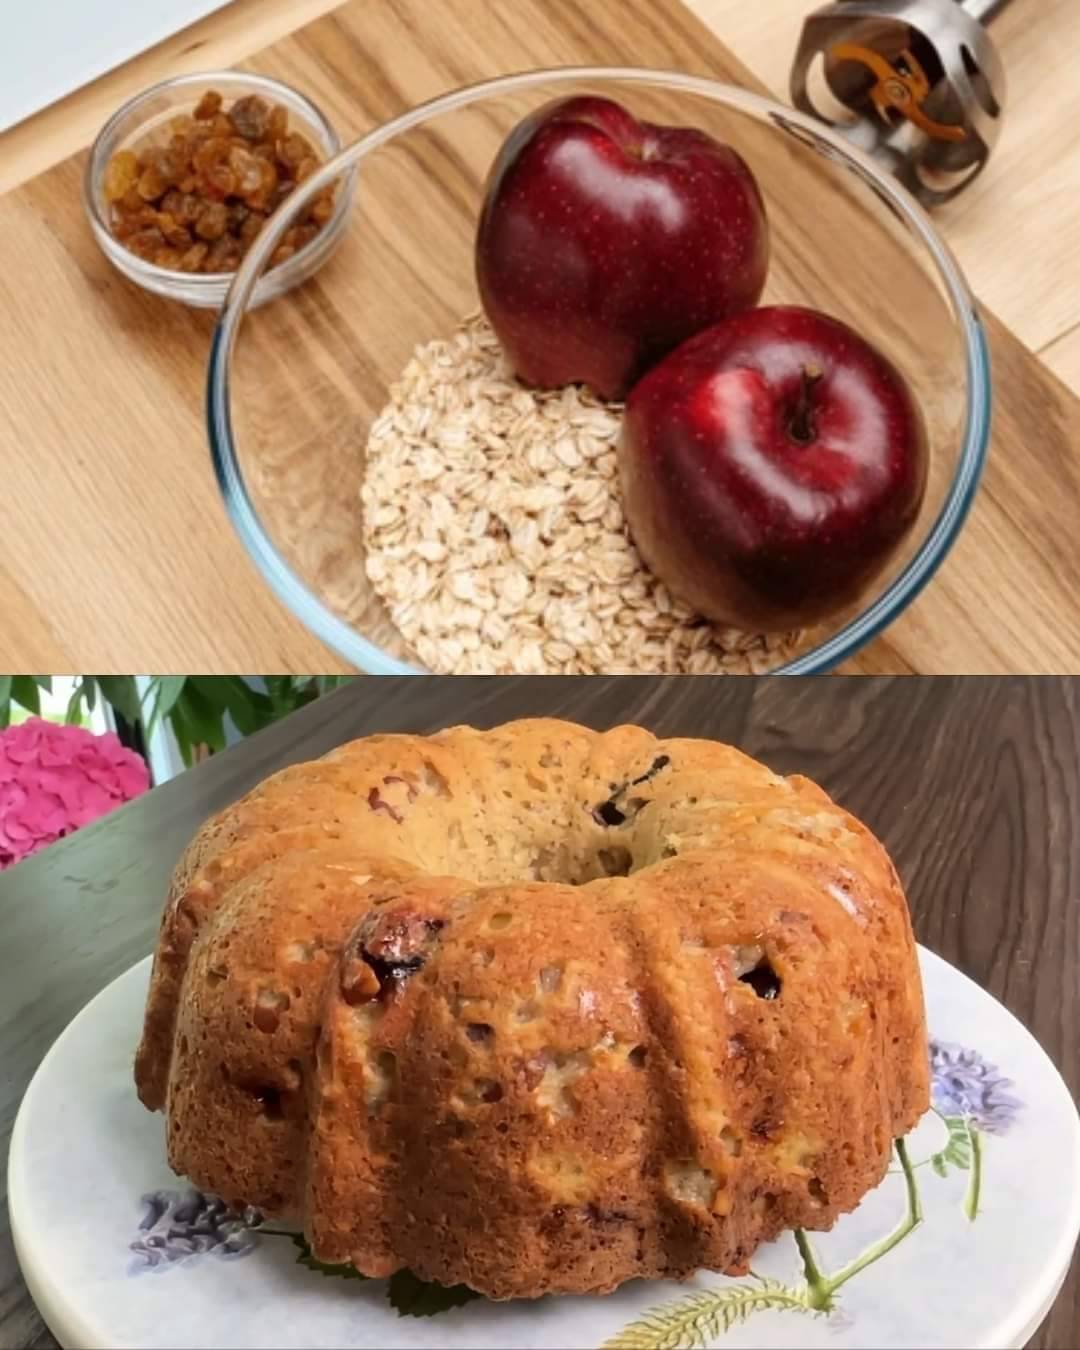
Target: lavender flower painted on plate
965	1084
177	1225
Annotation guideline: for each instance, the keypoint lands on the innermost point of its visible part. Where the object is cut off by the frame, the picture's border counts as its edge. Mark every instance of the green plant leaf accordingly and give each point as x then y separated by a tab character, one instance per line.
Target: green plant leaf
957	1150
409	1296
180	730
220	691
5	699
164	690
121	694
73	715
204	723
306	1259
289	692
412	1297
43	682
24	691
690	1323
249	709
326	683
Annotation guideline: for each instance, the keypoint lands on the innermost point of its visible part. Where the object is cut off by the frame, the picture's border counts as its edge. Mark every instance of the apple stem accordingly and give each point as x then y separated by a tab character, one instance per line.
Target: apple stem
801	425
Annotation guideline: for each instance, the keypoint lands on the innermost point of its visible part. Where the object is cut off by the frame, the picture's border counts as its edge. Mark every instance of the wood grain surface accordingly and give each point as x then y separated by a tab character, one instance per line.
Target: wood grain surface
973	785
120	546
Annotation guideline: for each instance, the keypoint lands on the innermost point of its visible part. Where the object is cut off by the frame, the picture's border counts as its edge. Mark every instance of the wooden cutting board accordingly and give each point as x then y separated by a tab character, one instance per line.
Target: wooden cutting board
116	551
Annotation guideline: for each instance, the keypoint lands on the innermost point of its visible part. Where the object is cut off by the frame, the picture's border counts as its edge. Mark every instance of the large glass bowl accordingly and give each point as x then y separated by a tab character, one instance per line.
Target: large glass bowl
294	386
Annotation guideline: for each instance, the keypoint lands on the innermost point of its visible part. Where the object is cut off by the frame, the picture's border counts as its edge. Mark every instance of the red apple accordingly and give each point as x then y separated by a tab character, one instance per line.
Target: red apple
604	242
770	466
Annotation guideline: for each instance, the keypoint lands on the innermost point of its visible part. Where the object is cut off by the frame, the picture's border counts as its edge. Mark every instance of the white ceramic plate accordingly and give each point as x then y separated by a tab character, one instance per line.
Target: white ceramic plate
84	1154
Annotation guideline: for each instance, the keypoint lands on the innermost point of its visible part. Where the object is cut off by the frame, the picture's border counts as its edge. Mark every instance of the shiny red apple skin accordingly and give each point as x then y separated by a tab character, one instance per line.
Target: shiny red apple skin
752	516
604	242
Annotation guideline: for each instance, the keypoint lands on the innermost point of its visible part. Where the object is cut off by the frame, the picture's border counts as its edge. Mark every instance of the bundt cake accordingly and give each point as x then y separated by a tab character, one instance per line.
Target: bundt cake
535	1009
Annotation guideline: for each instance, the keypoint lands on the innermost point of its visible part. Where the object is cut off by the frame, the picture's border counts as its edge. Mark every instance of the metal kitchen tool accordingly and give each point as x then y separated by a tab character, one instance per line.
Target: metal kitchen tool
916	83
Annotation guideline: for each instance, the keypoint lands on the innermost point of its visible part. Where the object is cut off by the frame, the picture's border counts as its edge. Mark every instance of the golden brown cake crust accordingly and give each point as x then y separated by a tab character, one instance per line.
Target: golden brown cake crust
536	1009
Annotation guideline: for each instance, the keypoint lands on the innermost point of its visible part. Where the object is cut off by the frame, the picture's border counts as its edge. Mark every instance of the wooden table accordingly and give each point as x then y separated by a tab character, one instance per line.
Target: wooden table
974	786
117	552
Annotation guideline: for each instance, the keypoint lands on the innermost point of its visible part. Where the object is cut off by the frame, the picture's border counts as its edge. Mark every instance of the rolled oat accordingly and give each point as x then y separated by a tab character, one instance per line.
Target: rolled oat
495	536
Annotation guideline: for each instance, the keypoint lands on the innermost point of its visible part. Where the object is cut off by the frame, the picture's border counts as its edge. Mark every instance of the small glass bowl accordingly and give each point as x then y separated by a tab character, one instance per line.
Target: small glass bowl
141	116
294	389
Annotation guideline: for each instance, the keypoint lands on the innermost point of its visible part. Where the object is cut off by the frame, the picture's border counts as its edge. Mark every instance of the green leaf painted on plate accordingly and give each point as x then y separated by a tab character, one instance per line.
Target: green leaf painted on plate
974	1190
306	1259
412	1297
957	1150
407	1295
690	1323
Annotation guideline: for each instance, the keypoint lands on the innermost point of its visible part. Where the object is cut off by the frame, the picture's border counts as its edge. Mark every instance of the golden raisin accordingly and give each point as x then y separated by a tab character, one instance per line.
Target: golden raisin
192	259
277	124
197	198
281	254
208	106
151	184
146	215
199	134
121	175
210	152
262	195
212	221
219	182
168	164
251	226
131	201
146	242
322	208
250	117
300	235
223	255
246	170
176	235
269	172
294	149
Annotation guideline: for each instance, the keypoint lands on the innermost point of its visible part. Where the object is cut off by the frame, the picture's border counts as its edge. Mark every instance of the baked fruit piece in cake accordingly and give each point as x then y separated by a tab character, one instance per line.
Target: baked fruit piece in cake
537	1009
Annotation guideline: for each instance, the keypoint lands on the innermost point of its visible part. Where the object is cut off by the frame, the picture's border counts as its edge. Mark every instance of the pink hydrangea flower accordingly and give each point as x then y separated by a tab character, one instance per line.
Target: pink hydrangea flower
55	778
